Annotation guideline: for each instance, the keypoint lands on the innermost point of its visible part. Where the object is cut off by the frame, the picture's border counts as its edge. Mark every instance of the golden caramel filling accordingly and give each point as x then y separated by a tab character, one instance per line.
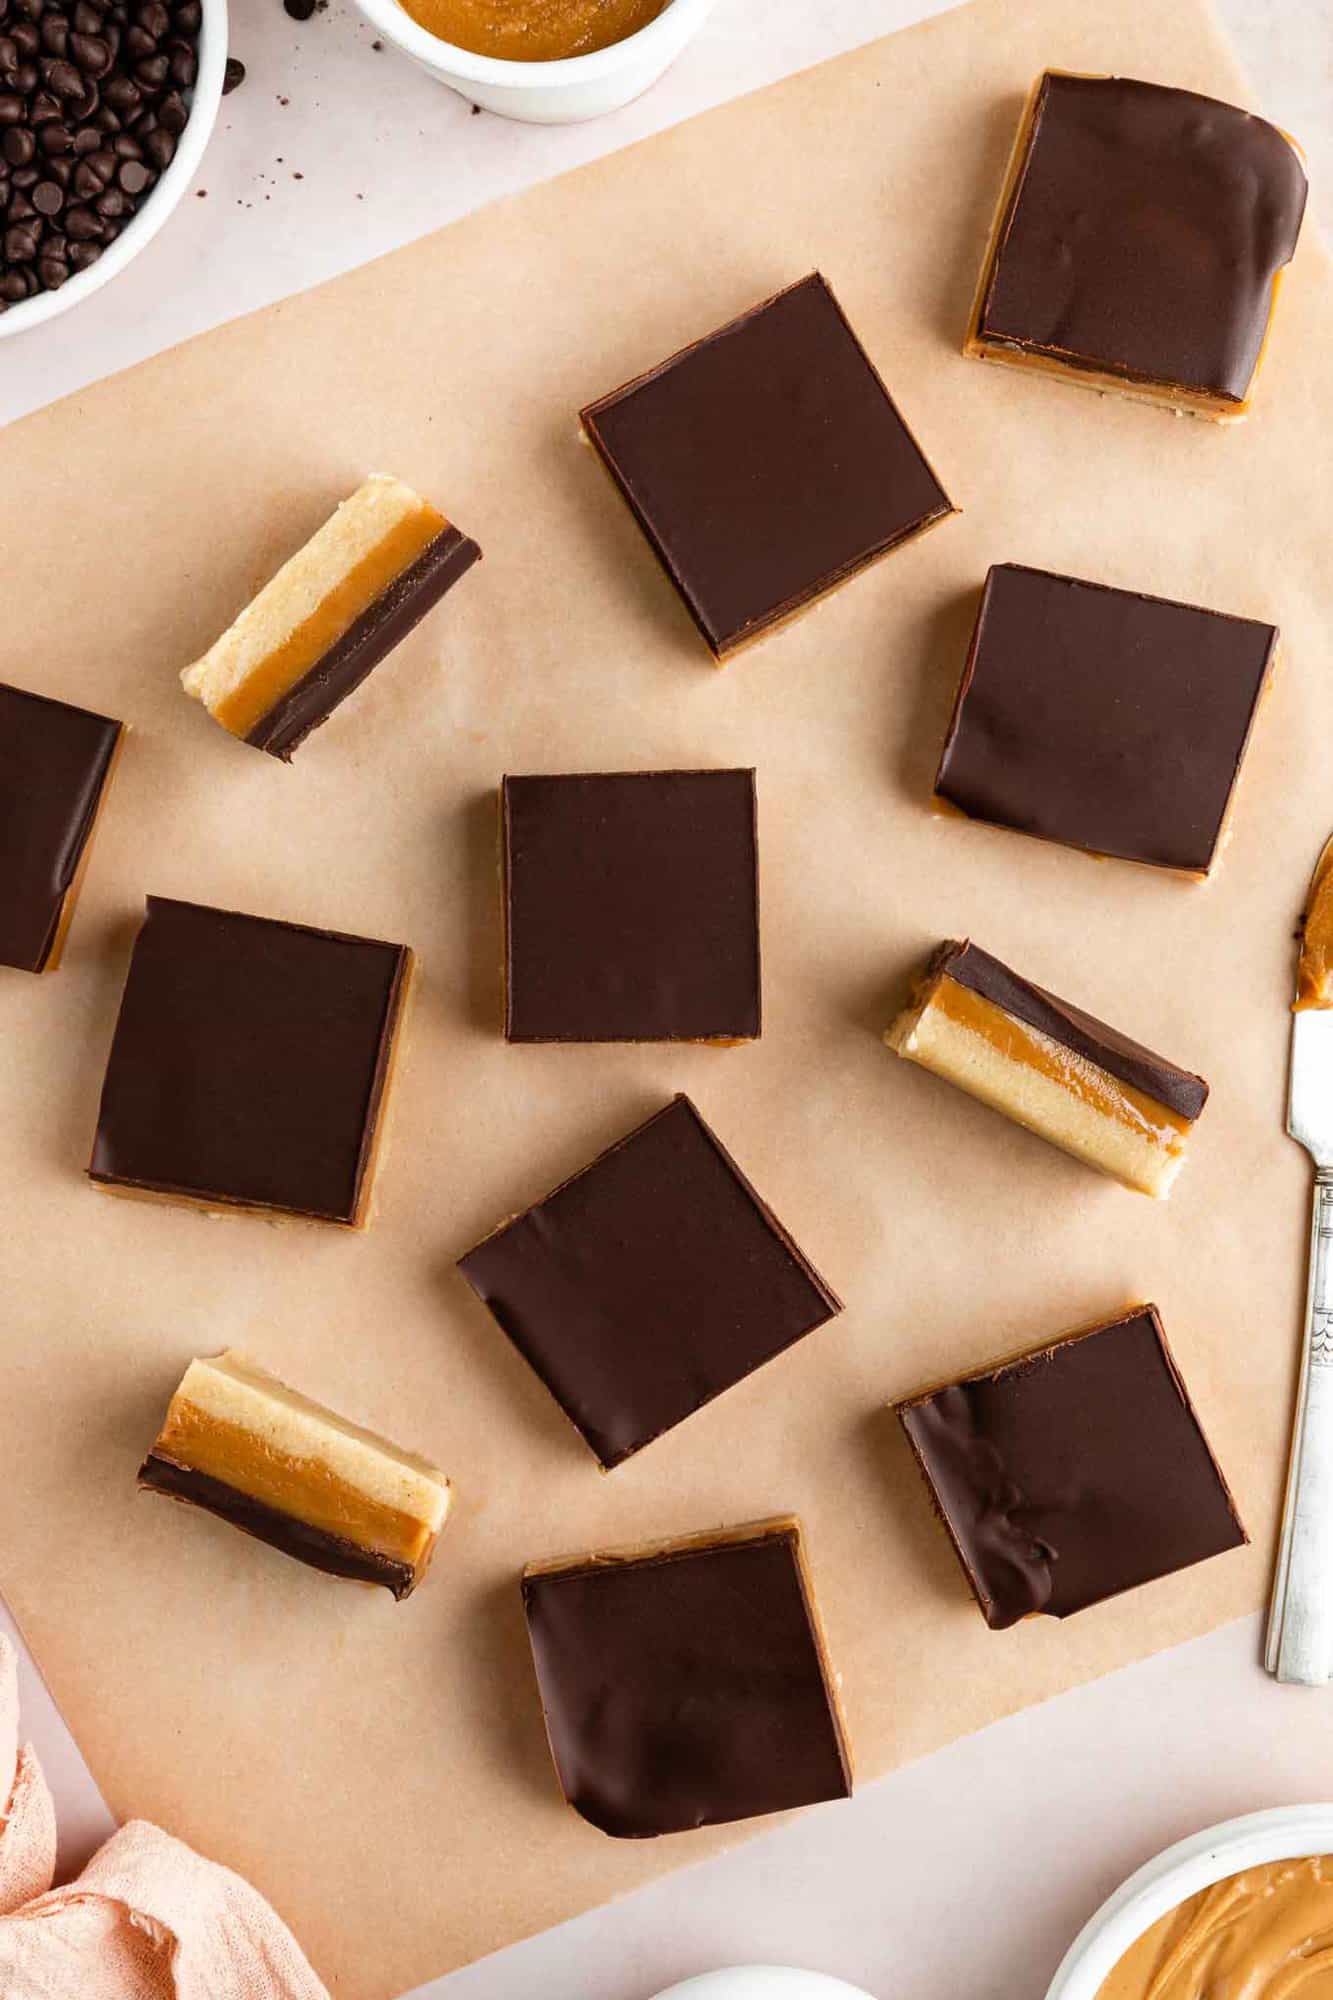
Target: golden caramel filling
1314	973
1265	1934
533	30
1084	1080
302	1487
349	599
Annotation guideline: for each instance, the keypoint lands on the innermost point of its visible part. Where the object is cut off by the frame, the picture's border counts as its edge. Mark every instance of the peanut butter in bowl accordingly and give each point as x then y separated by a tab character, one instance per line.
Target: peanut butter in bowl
533	30
1264	1934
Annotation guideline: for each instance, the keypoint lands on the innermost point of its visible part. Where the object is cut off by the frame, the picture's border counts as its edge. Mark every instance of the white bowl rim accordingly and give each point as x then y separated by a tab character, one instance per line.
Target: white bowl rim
468	67
144	224
1282	1833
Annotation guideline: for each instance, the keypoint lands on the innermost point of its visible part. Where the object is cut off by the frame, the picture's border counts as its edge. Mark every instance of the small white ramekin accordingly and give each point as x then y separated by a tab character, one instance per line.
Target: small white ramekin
144	224
763	1982
1283	1834
547	93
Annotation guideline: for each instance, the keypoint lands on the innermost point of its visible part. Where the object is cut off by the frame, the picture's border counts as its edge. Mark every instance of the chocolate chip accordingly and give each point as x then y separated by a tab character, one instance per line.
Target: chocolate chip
11	109
55	138
53	272
86	19
184	68
134	177
48	197
12	287
20	243
189	18
54	32
111	205
300	10
139	43
42	108
81	225
172	114
81	255
233	76
123	95
18	146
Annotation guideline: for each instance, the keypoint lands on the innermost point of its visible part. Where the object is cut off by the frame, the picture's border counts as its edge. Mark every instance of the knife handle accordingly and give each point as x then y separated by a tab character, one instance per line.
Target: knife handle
1300	1624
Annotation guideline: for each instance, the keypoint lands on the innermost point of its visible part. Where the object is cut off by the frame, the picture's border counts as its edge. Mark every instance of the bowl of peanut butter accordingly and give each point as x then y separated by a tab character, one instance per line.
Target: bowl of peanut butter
548	62
1241	1911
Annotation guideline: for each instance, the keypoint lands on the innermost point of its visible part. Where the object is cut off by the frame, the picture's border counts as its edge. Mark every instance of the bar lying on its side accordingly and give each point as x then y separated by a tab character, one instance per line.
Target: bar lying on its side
1050	1067
330	615
241	1445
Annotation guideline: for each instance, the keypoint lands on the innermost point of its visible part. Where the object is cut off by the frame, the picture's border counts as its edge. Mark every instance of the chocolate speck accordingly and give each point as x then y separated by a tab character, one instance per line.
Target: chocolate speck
476	111
299	10
377	45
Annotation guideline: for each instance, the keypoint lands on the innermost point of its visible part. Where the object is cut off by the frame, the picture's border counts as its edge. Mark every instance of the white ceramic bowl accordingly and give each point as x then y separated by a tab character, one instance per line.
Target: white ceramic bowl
763	1982
148	219
547	93
1283	1834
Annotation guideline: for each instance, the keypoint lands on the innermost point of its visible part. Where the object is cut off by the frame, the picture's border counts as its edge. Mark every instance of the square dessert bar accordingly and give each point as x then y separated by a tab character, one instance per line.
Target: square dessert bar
238	1443
686	1684
1050	1067
1073	1473
55	766
332	613
1102	718
765	464
1138	243
631	907
649	1283
250	1064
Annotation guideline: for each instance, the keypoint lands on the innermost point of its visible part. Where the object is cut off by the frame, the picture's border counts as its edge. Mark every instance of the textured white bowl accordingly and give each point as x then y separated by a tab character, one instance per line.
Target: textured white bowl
152	213
547	93
1282	1834
763	1982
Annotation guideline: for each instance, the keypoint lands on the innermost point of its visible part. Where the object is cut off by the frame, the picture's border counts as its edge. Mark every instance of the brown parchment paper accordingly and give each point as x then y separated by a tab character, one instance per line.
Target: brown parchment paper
380	1770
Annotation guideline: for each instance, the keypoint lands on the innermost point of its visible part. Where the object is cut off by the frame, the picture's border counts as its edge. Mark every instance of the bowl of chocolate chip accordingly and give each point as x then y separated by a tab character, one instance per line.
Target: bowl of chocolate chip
105	109
546	62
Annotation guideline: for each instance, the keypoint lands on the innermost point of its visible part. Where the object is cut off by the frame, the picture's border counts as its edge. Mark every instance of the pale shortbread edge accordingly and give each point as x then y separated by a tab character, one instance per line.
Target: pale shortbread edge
233	1390
928	1036
352	532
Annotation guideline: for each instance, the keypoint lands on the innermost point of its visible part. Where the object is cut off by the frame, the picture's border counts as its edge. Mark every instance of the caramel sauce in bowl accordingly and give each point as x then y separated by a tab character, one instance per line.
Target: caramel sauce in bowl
1161	1886
565	59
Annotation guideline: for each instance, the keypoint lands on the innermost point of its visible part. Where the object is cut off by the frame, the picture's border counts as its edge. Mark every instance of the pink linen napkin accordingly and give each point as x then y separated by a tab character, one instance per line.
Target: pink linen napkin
148	1919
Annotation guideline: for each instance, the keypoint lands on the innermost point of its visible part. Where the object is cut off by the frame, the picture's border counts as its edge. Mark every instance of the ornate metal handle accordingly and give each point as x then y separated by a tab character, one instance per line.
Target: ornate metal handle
1300	1624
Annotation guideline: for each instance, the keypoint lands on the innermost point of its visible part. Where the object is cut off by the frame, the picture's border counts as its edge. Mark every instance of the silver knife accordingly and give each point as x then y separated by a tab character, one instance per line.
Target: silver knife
1300	1621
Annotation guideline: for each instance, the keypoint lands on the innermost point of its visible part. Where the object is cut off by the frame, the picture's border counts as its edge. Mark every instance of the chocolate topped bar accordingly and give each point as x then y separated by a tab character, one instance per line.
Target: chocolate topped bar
686	1685
330	615
1050	1067
766	464
238	1443
631	906
55	765
1074	1473
649	1283
1102	718
1139	241
250	1064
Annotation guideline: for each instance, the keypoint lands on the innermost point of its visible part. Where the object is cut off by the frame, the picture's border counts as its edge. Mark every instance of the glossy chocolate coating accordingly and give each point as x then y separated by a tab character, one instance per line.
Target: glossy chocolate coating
364	644
1102	718
631	907
1144	233
765	463
316	1547
685	1689
54	764
1180	1090
1074	1473
248	1061
648	1283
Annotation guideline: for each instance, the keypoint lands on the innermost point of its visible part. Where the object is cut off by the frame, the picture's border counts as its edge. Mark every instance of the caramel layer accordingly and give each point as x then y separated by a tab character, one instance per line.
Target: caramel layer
1094	1087
302	1487
348	600
1314	972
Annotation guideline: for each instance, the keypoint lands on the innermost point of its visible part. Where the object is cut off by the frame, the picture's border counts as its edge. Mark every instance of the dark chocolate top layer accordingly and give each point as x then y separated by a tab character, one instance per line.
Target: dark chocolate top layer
648	1283
248	1061
364	644
1074	1473
631	907
54	762
1143	234
685	1689
1180	1090
765	463
1103	718
316	1547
